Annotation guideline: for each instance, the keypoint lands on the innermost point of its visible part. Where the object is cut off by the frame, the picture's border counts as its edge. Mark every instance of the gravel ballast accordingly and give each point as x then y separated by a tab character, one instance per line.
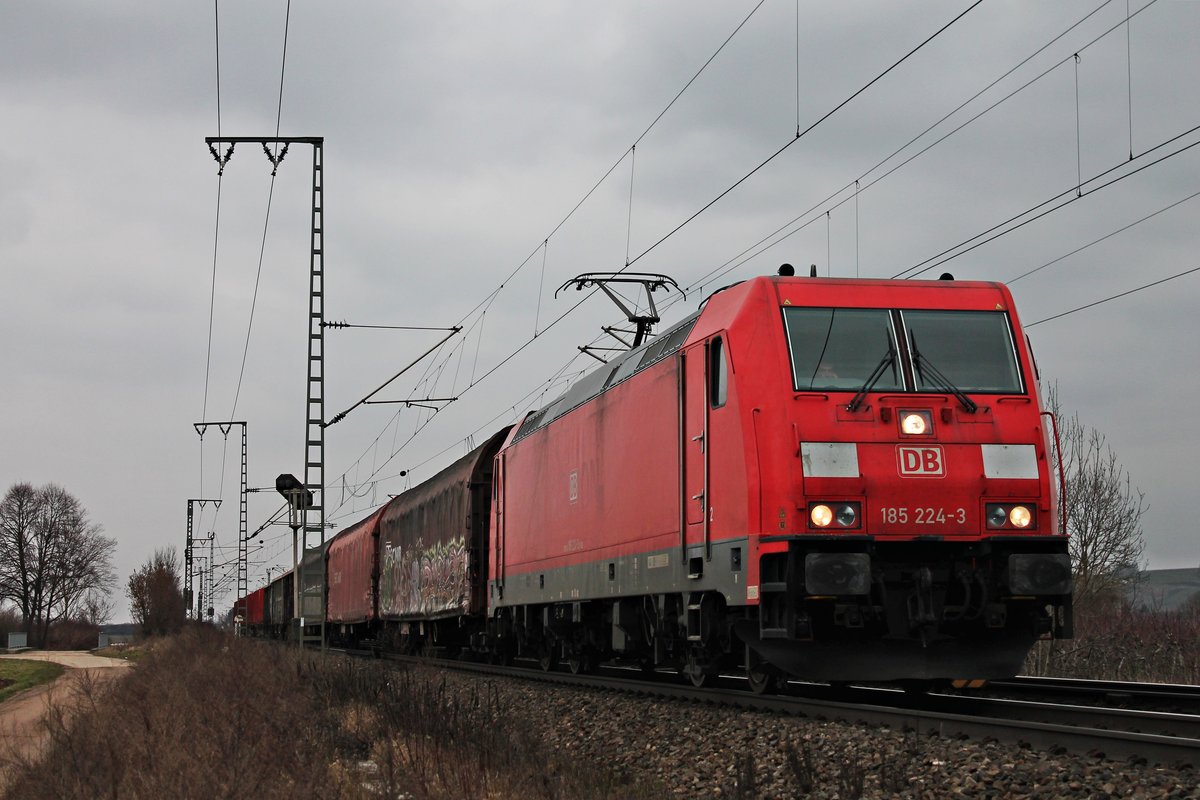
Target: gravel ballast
699	751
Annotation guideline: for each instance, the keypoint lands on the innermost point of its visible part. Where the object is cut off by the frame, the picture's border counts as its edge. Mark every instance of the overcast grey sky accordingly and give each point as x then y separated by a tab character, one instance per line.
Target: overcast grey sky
459	135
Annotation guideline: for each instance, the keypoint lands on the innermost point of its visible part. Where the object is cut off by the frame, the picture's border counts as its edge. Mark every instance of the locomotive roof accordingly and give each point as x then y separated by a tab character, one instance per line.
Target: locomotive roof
606	375
889	292
787	290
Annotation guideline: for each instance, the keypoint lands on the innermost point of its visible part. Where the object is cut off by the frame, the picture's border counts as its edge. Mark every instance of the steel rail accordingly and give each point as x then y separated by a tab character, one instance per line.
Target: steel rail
1183	726
1184	697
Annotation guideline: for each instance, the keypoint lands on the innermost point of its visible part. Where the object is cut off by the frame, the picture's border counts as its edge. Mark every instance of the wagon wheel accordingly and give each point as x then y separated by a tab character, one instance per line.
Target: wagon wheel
502	655
497	653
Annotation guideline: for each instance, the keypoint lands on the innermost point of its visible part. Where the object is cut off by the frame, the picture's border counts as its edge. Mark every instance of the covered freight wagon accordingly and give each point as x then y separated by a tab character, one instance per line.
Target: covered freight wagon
433	542
312	591
352	572
278	605
254	608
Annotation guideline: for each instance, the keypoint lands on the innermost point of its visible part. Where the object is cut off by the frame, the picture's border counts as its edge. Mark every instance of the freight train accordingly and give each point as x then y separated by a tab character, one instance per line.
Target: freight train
836	479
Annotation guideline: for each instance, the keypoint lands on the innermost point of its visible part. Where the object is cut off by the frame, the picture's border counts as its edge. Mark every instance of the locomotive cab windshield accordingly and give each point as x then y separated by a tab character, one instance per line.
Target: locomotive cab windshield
855	349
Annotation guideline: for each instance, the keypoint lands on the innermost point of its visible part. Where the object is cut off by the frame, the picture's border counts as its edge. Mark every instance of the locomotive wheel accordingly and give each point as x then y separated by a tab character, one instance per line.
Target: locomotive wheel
548	657
501	655
697	671
580	662
763	679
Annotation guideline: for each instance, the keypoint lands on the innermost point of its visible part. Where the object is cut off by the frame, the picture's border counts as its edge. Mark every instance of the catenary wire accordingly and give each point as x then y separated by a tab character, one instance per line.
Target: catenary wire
1071	196
1109	235
474	381
261	255
820	206
485	374
1115	296
801	134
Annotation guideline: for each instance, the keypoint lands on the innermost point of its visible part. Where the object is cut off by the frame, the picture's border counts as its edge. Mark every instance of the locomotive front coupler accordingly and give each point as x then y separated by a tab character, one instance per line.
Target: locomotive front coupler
922	619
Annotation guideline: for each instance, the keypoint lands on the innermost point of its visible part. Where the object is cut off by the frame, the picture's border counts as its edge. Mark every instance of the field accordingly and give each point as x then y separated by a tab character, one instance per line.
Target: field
17	675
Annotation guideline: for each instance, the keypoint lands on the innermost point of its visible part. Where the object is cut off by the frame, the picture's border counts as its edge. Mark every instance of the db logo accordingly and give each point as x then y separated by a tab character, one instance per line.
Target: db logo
926	461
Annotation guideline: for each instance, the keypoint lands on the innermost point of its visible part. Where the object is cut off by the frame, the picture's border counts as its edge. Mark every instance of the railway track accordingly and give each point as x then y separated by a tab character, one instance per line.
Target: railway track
1099	731
1170	697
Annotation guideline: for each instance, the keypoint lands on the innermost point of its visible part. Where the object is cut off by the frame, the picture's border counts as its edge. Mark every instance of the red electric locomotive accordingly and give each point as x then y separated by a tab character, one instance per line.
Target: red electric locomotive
837	479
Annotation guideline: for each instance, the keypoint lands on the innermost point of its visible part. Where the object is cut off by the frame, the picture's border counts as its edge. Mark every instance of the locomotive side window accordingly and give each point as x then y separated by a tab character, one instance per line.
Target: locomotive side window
840	348
973	349
718	387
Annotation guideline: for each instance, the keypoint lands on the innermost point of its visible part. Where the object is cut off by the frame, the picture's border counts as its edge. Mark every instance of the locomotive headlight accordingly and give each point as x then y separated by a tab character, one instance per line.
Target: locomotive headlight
915	423
1015	517
1020	517
826	514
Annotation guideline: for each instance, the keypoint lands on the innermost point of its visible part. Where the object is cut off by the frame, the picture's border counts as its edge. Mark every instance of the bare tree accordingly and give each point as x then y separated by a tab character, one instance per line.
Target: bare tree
52	558
155	595
95	609
1103	511
18	517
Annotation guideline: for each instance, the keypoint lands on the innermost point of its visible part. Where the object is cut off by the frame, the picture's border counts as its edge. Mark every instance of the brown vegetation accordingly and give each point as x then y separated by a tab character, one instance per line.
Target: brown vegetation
1116	642
155	595
206	715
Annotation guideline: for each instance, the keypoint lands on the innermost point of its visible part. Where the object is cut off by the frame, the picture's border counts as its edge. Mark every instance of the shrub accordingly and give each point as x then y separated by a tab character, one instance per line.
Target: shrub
1126	644
207	715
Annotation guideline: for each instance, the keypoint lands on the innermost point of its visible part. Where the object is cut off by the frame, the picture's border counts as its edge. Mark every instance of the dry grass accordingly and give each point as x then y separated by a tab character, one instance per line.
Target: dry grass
204	715
1125	645
124	652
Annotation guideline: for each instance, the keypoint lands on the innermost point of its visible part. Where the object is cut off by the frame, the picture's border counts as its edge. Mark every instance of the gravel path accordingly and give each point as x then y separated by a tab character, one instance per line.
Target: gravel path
701	751
21	734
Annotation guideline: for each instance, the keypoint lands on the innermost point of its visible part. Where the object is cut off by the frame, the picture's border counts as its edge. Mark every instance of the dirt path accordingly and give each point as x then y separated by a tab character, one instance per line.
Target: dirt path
21	735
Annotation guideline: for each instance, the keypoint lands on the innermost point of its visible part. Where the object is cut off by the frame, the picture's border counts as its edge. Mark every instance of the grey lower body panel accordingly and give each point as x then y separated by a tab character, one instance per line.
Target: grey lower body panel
656	572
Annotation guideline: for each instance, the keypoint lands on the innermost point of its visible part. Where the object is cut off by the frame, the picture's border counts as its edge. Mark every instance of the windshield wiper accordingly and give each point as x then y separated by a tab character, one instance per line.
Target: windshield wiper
876	374
923	366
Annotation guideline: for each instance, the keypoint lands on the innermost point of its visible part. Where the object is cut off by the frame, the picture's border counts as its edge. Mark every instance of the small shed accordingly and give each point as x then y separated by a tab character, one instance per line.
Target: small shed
115	639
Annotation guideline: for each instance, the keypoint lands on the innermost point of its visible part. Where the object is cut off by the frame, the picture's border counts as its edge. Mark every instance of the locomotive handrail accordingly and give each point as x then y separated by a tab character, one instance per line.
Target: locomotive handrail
1062	477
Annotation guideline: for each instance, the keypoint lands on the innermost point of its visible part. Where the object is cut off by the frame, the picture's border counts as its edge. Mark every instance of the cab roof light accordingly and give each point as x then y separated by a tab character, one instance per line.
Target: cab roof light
916	423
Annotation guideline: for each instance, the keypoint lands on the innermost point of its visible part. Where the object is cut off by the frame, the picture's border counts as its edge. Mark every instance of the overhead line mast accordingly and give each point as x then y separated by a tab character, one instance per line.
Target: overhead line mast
242	573
308	575
192	607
